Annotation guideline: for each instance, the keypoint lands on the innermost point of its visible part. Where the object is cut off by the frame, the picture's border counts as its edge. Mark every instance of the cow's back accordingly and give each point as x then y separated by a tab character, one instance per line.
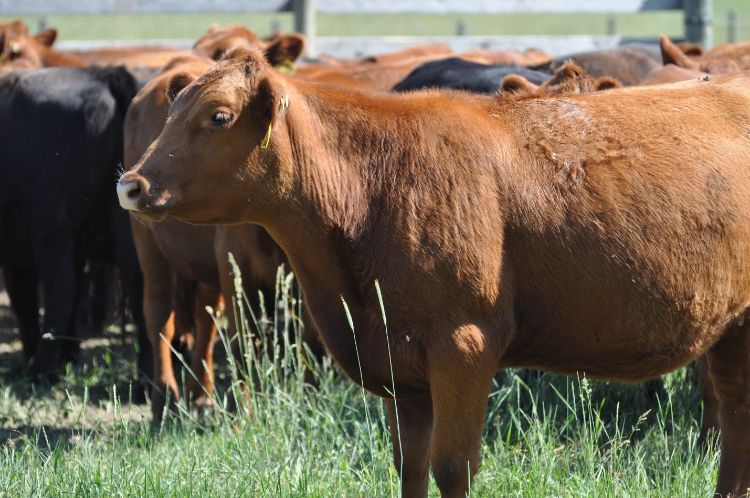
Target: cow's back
61	145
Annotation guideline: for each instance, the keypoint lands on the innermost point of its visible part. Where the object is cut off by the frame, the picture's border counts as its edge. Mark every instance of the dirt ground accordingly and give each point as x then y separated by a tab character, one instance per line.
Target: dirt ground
89	396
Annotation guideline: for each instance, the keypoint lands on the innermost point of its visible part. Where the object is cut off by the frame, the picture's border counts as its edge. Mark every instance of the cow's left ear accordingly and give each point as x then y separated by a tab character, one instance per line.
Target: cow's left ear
671	54
46	37
691	49
285	48
272	103
177	83
515	83
607	83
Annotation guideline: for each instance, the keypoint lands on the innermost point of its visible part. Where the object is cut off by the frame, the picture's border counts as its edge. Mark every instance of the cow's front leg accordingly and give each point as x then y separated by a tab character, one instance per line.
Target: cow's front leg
460	378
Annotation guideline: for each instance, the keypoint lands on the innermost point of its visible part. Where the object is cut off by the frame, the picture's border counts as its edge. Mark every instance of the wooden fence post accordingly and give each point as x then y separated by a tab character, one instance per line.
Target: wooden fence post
304	23
698	22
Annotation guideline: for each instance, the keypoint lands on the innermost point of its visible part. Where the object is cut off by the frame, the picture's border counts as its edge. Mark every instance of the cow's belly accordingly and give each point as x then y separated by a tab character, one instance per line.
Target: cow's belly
622	351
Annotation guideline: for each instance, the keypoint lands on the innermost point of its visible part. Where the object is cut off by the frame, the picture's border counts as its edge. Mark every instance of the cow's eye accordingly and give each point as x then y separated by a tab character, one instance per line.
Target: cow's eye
220	118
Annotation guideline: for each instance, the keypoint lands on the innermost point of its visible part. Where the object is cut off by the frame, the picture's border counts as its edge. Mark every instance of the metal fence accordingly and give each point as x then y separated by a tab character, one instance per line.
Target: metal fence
696	14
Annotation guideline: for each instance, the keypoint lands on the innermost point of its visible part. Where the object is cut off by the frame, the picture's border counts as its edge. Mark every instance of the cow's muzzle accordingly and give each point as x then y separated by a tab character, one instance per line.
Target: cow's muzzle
136	194
129	190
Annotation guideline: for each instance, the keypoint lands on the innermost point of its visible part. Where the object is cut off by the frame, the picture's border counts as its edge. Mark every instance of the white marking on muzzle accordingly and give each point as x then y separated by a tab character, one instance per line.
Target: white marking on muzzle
122	195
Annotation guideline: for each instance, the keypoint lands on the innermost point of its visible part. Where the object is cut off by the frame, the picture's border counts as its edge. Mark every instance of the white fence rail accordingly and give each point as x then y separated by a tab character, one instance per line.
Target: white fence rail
697	18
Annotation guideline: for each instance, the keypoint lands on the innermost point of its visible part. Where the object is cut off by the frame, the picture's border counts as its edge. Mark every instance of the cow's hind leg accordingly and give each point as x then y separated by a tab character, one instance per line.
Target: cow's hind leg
459	386
710	420
729	369
412	435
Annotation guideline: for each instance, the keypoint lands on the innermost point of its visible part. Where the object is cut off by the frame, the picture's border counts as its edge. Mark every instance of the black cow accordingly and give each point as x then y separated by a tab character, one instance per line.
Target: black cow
460	74
60	149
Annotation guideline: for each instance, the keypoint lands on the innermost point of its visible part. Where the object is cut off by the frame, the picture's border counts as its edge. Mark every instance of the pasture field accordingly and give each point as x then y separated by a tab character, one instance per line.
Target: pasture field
545	435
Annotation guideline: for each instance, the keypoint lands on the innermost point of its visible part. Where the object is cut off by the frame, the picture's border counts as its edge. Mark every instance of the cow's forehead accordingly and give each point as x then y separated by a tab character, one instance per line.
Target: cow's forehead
227	88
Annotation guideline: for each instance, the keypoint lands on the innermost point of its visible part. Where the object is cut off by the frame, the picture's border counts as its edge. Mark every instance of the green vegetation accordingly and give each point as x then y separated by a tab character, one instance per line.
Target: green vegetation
545	435
190	26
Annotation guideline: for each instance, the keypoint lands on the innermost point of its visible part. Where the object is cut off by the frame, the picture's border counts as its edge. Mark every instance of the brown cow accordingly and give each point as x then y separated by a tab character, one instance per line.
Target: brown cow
529	57
580	233
572	79
672	73
567	79
17	45
629	63
396	56
279	48
719	61
174	252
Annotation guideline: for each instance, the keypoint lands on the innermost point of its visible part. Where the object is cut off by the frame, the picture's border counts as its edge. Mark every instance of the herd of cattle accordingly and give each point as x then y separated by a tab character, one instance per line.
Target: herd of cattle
589	213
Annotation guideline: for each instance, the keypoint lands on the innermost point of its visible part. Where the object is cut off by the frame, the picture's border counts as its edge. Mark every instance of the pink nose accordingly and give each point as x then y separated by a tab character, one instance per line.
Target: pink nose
128	192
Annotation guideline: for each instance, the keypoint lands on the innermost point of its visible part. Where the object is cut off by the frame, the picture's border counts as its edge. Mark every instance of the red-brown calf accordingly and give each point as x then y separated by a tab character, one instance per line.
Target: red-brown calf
173	252
576	234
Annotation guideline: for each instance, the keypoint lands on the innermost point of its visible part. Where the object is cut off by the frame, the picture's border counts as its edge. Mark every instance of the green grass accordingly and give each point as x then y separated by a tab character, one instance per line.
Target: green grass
190	26
544	435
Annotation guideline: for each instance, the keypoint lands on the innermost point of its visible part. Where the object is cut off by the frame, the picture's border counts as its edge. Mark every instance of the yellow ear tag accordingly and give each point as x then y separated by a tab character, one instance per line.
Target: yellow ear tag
284	103
267	138
285	67
283	106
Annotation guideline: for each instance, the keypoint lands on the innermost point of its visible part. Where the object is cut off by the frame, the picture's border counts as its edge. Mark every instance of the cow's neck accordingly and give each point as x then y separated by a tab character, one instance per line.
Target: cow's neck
343	162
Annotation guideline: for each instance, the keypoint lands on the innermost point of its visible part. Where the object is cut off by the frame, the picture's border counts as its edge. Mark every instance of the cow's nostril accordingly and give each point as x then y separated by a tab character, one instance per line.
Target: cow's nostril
134	192
128	193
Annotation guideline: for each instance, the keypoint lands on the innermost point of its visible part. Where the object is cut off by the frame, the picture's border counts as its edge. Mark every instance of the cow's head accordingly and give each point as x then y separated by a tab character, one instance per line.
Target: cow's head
17	45
689	56
219	156
279	48
569	78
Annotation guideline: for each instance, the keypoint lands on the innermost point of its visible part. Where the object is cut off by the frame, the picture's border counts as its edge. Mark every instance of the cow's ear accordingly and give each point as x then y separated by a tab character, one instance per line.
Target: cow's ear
607	83
671	54
516	83
285	49
272	103
177	83
691	49
46	37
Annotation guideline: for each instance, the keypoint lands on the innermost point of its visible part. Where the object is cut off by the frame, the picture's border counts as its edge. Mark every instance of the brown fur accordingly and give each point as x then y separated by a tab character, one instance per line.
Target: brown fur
433	50
737	53
672	73
529	57
279	49
576	234
143	56
376	76
567	79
